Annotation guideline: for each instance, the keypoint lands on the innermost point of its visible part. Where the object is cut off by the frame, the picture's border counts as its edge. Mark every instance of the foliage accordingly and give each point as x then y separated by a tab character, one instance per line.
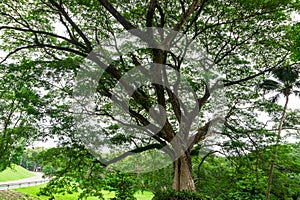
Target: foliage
73	169
29	159
91	177
21	109
45	43
295	30
246	177
216	171
123	184
156	181
286	84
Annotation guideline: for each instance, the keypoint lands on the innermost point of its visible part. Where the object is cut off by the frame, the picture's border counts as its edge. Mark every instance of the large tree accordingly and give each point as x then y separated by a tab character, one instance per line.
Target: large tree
242	39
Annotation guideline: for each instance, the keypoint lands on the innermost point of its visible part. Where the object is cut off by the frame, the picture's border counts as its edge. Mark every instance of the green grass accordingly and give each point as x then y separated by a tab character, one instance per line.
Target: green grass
144	195
33	190
17	172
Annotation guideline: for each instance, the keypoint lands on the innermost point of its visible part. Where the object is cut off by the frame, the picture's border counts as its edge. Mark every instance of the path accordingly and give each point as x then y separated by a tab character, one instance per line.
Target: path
32	181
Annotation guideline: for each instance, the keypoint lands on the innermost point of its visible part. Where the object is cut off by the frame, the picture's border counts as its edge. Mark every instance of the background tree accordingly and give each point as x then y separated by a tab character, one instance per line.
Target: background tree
286	84
29	159
21	109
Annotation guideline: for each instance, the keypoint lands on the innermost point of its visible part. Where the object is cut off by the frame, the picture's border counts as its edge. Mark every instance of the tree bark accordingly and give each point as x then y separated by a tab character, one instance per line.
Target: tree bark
183	177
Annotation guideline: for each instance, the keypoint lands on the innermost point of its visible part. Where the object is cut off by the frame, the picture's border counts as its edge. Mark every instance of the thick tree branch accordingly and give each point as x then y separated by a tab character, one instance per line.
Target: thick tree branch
196	17
128	153
125	23
204	131
202	101
162	15
73	24
150	13
190	10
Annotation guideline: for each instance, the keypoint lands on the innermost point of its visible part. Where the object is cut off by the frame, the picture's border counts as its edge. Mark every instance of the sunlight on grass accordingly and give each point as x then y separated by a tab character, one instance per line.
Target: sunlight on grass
17	172
33	190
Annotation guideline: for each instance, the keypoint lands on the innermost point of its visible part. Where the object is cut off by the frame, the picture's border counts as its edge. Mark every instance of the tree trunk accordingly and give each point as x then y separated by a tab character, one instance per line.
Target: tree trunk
270	181
183	177
276	144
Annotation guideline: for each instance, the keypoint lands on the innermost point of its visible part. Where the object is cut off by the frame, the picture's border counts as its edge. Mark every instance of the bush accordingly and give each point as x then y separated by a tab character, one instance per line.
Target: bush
123	184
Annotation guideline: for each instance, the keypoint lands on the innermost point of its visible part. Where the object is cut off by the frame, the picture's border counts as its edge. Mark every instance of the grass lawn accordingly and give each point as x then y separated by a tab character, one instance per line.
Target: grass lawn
17	172
33	190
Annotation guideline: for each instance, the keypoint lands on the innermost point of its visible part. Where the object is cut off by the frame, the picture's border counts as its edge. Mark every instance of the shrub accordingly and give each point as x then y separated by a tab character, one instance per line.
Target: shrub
123	184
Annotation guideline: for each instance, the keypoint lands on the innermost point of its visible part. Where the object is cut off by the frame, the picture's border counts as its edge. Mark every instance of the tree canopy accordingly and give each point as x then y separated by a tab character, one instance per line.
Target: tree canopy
123	78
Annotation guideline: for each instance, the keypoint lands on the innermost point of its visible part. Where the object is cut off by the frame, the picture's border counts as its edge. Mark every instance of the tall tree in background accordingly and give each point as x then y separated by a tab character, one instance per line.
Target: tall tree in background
242	38
286	83
20	112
